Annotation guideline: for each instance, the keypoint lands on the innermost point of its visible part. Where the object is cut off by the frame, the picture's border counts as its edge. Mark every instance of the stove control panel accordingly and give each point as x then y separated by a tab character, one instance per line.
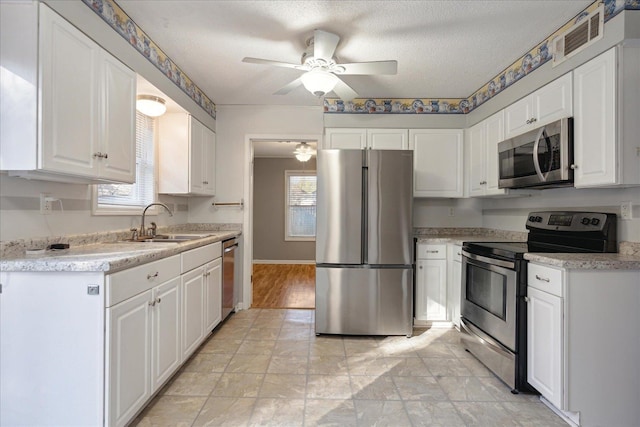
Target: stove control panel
570	221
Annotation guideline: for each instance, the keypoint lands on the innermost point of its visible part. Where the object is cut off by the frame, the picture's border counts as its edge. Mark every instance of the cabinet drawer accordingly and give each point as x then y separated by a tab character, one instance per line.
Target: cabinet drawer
199	256
431	251
125	284
545	279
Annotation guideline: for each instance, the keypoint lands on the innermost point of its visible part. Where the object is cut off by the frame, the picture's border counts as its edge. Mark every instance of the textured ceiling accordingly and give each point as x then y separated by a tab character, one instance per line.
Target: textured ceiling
443	48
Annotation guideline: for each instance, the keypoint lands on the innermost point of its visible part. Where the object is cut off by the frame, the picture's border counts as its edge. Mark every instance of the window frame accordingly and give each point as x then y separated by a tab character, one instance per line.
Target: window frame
287	175
98	209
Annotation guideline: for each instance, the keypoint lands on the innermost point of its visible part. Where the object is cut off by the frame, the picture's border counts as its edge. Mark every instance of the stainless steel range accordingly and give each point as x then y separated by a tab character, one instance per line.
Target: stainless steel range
494	286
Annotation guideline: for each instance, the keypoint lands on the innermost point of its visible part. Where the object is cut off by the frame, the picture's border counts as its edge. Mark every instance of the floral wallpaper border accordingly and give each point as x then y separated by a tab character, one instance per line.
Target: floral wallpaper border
520	68
113	15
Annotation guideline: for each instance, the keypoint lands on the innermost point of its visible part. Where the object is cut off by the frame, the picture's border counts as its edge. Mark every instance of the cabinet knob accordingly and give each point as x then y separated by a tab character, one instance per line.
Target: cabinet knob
152	303
533	120
526	299
543	279
574	166
105	155
98	154
483	182
158	300
205	182
152	276
420	267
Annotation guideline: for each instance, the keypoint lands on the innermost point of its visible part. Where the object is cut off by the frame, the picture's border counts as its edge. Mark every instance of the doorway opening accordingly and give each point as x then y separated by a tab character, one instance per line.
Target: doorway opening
283	224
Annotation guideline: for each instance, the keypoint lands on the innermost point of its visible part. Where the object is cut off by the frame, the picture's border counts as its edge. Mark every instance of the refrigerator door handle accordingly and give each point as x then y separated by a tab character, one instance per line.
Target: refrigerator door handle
365	204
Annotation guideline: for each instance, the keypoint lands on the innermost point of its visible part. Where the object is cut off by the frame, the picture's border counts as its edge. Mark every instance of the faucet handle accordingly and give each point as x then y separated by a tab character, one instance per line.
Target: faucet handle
134	233
152	229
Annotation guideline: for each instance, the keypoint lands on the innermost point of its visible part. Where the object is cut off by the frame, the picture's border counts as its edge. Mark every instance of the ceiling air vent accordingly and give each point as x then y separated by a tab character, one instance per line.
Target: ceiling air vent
585	32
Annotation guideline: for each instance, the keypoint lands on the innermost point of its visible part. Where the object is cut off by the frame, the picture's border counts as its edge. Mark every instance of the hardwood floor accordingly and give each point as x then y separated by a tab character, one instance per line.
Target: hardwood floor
284	286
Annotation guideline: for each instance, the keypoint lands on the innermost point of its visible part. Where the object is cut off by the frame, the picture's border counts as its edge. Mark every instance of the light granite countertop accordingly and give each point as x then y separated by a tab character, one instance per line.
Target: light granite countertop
108	257
591	261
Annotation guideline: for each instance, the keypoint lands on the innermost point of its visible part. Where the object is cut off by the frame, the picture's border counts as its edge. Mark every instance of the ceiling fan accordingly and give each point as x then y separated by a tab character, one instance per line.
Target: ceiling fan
322	70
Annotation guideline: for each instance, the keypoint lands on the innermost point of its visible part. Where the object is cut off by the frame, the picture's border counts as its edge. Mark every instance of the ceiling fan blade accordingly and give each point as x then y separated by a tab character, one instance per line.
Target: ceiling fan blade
368	68
324	44
270	62
344	91
289	87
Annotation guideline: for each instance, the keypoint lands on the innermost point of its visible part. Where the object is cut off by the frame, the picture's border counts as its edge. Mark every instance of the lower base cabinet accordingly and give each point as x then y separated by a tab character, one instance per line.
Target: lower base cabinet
431	283
102	344
454	285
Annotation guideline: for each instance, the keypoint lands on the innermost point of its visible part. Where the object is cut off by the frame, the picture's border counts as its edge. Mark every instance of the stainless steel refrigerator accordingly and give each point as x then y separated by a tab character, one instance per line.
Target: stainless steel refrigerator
364	243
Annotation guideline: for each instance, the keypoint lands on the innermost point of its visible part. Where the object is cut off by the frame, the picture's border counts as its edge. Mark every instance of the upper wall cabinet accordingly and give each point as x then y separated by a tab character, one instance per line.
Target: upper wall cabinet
68	108
606	122
186	156
547	104
482	154
361	139
437	162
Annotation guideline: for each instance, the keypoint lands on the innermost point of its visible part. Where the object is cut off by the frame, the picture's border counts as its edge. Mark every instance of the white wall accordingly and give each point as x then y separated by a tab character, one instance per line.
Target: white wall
511	213
20	216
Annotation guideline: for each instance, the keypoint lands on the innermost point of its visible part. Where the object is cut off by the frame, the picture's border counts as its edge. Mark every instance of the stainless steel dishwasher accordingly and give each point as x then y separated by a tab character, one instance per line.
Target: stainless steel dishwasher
228	260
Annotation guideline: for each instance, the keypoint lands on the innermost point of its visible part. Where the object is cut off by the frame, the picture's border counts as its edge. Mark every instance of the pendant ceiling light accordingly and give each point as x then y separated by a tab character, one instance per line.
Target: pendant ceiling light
319	82
150	105
304	152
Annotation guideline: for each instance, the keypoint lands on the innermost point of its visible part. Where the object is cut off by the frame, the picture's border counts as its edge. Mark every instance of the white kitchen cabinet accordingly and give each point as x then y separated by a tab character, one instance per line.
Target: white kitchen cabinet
362	139
567	310
482	152
547	104
438	162
193	310
212	294
431	283
187	152
70	114
454	283
142	335
606	125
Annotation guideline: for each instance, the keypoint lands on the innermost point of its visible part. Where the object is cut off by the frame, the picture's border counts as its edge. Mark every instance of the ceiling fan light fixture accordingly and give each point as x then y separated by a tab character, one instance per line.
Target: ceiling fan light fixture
319	82
151	105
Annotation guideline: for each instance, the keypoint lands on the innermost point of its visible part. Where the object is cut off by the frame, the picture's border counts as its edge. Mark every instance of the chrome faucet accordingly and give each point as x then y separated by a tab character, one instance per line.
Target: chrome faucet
143	231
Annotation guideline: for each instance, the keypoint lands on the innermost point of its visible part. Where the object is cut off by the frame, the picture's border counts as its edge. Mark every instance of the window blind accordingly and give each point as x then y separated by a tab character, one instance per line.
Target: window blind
141	193
301	205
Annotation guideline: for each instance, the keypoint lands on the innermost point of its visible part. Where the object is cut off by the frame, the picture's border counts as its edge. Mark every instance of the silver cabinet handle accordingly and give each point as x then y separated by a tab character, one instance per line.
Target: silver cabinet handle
152	276
543	279
483	182
433	252
101	155
574	166
459	253
526	299
152	303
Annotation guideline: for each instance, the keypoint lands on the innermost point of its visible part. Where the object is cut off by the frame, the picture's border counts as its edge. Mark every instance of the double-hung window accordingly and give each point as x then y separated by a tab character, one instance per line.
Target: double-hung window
127	199
300	205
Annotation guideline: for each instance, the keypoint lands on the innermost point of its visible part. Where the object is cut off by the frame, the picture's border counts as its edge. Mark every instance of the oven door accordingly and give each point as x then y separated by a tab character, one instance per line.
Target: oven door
539	158
489	297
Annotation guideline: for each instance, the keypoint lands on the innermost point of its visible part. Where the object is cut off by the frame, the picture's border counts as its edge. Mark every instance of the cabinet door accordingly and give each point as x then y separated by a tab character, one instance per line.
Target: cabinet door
118	140
69	97
517	117
438	161
476	155
388	139
553	101
431	290
213	295
209	162
454	283
355	139
594	123
198	153
544	345
494	134
192	310
166	354
128	357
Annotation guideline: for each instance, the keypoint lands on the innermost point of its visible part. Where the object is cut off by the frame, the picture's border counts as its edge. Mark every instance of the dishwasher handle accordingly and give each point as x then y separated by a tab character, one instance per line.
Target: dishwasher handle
230	248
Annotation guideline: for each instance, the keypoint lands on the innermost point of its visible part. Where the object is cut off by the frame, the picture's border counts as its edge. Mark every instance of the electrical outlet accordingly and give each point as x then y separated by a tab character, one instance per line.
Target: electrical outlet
626	210
452	212
45	205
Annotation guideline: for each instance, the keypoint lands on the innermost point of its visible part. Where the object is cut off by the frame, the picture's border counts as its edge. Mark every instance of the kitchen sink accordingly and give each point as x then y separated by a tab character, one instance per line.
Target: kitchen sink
169	238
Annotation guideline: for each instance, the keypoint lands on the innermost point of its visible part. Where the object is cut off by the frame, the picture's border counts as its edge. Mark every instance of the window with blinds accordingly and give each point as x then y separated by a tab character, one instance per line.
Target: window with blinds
300	205
120	197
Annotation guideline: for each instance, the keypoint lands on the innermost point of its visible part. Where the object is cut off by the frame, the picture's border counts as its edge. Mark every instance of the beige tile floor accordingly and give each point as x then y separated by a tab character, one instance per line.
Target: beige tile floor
267	368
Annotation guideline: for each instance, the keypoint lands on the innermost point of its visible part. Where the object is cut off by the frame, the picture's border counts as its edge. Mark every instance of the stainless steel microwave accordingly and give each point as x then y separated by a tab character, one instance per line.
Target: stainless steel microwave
541	158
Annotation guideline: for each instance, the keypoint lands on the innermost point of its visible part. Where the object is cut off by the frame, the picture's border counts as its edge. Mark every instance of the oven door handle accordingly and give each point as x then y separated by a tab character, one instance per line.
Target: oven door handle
485	339
490	261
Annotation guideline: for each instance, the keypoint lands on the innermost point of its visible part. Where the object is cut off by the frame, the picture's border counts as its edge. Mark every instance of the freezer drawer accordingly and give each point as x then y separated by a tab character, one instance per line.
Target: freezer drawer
364	301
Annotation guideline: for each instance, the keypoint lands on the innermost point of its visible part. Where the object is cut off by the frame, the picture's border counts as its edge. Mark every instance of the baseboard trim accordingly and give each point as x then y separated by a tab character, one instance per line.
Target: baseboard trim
284	261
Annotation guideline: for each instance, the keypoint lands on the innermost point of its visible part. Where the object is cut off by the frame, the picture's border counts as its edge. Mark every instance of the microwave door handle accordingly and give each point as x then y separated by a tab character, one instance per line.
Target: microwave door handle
536	161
